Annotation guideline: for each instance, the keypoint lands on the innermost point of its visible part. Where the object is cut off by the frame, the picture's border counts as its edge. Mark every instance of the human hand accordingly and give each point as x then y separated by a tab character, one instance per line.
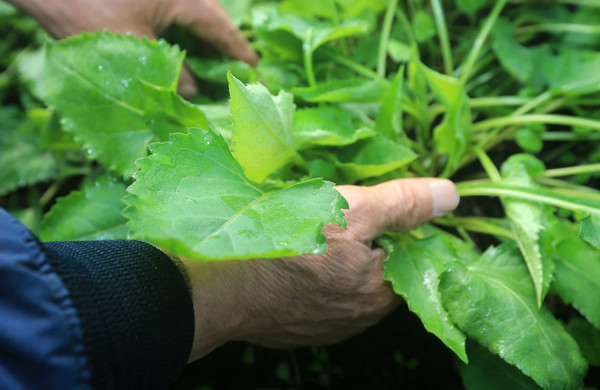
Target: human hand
205	18
315	299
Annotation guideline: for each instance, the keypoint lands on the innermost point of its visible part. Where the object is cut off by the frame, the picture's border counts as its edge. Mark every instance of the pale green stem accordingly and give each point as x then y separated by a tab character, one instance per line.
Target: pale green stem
533	103
355	66
308	66
488	166
511	192
569	136
442	29
385	36
477	225
492	101
480	40
570	171
550	119
559	27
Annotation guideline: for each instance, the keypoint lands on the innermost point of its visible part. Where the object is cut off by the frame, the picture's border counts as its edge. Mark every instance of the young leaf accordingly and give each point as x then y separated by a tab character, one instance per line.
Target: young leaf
526	220
102	95
453	135
326	126
414	268
389	119
590	229
261	122
373	157
340	91
493	301
577	277
215	70
94	213
192	198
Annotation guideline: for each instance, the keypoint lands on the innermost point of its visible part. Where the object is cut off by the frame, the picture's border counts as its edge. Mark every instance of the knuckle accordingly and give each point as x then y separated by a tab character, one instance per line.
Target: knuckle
406	205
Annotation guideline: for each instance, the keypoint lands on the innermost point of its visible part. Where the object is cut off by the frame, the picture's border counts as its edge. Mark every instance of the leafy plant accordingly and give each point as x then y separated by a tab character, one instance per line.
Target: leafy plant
352	92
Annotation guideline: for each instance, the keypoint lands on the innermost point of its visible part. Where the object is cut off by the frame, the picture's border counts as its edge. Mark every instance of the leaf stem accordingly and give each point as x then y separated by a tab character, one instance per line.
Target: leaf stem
538	195
308	64
488	166
551	119
480	40
442	29
559	27
570	171
476	224
385	36
355	66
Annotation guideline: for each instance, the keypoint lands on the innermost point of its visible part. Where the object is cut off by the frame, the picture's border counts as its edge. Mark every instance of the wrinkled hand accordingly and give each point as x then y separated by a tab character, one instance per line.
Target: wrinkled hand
315	299
205	18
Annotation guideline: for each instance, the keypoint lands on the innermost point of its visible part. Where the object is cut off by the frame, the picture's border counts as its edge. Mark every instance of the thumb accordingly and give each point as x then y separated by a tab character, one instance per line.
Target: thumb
397	205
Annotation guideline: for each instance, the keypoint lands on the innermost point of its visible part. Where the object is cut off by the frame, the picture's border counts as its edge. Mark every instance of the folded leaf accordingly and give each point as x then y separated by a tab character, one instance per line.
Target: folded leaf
192	198
389	119
492	298
414	268
590	229
94	213
588	338
526	220
261	122
577	277
112	82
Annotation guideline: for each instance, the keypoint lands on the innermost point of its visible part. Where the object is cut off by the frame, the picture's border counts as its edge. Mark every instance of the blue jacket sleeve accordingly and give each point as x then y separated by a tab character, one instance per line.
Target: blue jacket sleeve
89	315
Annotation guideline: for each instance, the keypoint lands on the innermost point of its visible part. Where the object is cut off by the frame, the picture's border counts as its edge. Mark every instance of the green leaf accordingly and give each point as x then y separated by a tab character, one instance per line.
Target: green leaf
470	6
389	119
347	90
327	125
261	122
577	277
590	229
526	220
312	32
486	371
94	213
373	157
423	26
112	81
588	338
454	134
192	198
529	137
215	70
414	268
22	159
573	71
493	301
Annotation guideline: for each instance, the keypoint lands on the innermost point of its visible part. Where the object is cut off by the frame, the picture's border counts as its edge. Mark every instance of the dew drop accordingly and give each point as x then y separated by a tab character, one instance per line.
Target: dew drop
283	243
89	151
22	183
100	68
305	47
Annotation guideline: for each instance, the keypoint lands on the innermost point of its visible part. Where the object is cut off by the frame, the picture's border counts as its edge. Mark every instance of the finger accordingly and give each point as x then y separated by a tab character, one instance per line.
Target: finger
398	205
210	22
187	85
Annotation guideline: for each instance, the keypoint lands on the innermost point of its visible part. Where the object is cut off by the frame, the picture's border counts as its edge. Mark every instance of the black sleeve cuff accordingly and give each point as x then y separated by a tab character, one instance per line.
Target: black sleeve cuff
135	308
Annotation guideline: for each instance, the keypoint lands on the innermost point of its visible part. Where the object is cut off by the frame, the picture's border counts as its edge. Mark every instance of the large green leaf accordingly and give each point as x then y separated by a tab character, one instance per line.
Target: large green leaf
192	198
588	338
94	213
261	122
486	371
414	268
577	277
526	220
327	125
129	83
590	229
493	301
347	90
373	157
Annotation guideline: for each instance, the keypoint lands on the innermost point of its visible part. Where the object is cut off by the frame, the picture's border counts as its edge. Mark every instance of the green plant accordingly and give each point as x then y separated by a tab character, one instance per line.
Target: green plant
354	92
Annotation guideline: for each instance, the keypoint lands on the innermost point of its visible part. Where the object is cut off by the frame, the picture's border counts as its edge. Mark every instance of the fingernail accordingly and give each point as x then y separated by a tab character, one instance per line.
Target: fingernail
445	197
187	90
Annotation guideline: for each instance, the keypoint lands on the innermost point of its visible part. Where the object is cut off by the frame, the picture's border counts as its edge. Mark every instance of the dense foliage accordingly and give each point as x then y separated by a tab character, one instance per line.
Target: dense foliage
500	97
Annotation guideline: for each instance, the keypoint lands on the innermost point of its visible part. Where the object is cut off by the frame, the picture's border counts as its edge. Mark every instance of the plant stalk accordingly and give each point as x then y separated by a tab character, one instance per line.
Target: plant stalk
385	36
442	29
